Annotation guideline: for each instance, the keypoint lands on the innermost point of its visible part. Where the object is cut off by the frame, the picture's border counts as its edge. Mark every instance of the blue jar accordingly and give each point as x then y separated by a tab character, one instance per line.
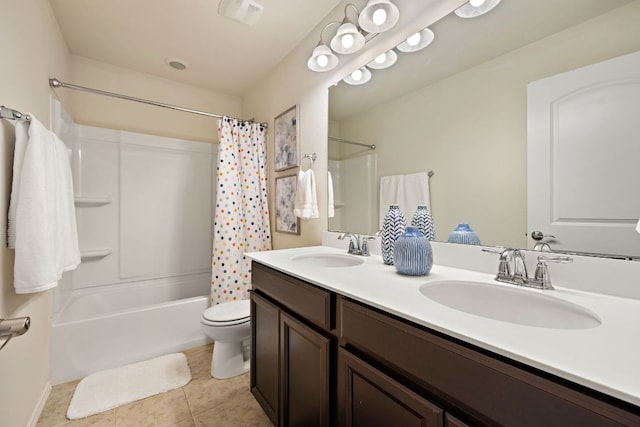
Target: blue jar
463	234
413	255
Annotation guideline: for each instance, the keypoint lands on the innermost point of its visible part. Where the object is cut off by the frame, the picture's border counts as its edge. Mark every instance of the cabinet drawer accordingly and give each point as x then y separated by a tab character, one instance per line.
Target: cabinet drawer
367	397
310	302
467	381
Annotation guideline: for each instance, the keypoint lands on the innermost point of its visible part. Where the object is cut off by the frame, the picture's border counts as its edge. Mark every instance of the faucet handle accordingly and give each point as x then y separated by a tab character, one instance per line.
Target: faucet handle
496	250
560	259
365	245
504	269
542	272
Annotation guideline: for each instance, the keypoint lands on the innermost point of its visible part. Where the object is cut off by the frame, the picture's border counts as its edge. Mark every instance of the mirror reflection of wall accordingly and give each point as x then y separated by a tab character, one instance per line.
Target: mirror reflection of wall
468	121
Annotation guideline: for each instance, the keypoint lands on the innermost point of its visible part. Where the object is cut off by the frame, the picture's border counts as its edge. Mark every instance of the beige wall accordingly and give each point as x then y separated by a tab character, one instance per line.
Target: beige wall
471	128
103	111
31	49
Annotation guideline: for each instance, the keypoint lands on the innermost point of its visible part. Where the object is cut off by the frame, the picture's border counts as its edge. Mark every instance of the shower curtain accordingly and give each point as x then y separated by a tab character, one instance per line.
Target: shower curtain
241	220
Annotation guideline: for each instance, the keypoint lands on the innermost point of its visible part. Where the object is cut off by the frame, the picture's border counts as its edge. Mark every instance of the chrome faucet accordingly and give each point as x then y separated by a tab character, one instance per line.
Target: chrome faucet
513	269
358	245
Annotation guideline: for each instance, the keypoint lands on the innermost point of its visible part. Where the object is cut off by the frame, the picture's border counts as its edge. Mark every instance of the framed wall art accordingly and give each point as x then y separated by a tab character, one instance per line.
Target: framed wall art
286	221
286	139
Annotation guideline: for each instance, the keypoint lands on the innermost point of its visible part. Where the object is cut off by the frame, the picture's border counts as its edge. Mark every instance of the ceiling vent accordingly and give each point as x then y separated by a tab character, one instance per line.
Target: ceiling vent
245	11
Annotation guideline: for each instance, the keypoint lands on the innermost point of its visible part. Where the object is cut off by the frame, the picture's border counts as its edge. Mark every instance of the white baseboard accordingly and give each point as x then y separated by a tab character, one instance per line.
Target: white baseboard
41	403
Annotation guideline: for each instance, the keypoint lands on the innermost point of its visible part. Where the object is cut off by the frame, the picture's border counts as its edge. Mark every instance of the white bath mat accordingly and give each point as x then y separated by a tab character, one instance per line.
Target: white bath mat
111	388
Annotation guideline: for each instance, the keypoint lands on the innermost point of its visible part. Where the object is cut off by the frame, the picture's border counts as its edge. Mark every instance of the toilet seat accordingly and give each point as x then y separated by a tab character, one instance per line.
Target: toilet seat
228	313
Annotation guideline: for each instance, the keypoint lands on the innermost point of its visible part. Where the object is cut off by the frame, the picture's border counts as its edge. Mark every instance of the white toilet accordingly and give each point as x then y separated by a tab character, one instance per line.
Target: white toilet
229	326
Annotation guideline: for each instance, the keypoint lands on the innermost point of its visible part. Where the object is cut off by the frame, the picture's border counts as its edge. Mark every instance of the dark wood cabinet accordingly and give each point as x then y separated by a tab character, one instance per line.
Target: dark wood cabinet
265	355
291	351
367	397
321	359
474	385
304	374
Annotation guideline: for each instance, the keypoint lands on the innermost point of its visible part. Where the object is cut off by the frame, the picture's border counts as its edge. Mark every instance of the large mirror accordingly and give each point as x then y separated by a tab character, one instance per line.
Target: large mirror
459	108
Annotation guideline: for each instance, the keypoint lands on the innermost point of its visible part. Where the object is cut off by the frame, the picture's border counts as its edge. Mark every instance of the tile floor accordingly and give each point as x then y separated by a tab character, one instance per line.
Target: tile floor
204	402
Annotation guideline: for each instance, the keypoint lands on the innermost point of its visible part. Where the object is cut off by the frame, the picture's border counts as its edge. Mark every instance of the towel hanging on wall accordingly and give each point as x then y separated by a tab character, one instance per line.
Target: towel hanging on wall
42	222
306	201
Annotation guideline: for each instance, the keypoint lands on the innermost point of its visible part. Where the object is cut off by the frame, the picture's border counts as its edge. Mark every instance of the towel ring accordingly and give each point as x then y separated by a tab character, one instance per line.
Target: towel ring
312	158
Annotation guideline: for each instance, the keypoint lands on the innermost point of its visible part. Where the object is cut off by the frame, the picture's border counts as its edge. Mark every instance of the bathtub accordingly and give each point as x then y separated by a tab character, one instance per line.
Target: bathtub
110	326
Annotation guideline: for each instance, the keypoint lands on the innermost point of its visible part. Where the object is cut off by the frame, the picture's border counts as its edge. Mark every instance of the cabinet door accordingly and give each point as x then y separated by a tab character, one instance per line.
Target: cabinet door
304	367
451	421
367	397
265	330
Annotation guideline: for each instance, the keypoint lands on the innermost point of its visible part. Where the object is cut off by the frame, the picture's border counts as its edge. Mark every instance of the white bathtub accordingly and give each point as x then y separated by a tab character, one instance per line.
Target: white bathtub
114	325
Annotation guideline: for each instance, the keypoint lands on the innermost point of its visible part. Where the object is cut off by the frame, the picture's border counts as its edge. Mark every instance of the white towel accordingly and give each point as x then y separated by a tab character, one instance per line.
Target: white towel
42	221
408	191
306	203
330	204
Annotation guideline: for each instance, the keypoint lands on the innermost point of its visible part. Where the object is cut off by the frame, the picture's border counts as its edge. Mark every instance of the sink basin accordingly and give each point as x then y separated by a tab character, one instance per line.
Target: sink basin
329	260
511	305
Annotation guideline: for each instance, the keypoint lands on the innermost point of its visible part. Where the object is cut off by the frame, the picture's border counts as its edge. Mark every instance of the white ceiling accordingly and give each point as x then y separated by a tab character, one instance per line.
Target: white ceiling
222	55
229	57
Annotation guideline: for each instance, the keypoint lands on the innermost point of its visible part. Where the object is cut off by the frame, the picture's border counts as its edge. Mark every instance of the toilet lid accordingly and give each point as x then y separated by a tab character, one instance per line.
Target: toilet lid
228	312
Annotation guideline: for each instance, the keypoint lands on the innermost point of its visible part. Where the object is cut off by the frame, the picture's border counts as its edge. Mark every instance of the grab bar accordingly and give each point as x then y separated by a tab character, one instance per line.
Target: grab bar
15	327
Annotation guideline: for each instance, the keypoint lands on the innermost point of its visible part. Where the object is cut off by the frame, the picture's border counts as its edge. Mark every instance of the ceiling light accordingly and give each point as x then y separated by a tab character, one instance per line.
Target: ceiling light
245	11
378	16
417	41
384	60
176	63
358	77
348	39
476	8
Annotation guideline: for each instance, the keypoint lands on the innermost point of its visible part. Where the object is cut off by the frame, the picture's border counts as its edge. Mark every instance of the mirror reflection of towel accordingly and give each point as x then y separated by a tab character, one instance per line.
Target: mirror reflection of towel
330	208
638	227
306	203
408	191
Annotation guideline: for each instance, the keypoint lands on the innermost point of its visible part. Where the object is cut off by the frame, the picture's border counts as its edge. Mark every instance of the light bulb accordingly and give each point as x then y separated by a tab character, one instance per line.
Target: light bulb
347	41
322	60
381	58
380	16
476	3
356	75
414	39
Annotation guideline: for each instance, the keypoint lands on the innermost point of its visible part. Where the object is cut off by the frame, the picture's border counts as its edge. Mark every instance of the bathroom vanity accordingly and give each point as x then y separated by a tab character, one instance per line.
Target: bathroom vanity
341	340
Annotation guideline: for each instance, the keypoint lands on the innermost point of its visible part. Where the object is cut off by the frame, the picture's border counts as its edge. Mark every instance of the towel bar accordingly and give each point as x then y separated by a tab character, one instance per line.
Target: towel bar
10	328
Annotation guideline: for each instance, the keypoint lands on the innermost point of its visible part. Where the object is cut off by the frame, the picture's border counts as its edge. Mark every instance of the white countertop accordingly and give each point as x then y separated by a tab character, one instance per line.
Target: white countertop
605	358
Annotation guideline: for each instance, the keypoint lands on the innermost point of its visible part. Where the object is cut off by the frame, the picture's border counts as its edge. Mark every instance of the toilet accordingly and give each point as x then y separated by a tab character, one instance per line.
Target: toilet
229	326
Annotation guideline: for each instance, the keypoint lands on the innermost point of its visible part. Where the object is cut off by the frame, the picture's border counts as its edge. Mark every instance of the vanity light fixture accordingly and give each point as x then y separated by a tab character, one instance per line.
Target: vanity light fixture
476	8
378	16
384	60
358	77
348	38
416	42
323	58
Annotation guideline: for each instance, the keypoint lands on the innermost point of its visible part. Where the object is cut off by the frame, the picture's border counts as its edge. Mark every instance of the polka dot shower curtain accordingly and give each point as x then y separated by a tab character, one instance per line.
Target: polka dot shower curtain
241	221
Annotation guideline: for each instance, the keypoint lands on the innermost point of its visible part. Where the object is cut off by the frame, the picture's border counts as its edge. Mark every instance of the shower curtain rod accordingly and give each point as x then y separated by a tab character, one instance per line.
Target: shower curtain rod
55	83
346	141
